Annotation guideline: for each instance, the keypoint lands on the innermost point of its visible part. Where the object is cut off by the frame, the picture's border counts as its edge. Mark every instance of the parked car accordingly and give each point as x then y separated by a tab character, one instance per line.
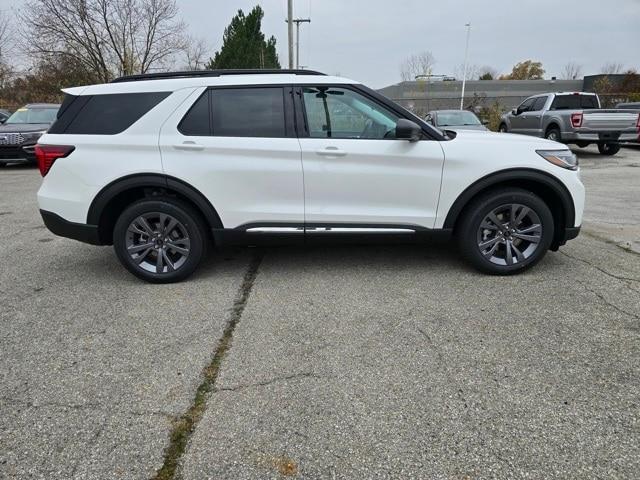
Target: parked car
573	118
160	165
4	115
21	131
455	120
629	106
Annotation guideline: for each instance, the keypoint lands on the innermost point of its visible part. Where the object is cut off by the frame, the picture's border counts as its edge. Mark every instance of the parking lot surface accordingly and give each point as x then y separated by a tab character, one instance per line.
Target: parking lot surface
338	362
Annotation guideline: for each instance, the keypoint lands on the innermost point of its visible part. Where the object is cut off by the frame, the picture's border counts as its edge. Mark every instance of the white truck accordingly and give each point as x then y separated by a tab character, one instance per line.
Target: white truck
573	118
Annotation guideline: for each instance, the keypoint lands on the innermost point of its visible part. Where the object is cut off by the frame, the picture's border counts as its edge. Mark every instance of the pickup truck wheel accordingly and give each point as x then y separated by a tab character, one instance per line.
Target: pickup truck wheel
608	148
503	128
160	241
506	231
553	134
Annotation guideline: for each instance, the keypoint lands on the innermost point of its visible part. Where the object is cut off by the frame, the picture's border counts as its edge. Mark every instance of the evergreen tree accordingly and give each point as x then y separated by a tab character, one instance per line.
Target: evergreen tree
244	44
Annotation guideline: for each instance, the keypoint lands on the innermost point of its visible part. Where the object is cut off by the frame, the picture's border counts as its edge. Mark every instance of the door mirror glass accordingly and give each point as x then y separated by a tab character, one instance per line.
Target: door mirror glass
408	130
515	111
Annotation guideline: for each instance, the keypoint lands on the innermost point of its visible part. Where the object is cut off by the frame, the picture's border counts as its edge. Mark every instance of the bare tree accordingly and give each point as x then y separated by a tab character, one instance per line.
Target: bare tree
6	42
197	53
107	37
416	65
571	71
612	68
473	72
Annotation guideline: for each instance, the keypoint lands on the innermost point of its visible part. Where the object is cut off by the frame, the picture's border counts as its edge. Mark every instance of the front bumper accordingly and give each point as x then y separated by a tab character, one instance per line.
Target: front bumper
76	231
18	154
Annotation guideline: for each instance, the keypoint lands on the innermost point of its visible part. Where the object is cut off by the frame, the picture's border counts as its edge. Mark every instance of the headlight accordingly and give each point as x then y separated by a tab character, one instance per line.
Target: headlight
561	158
33	136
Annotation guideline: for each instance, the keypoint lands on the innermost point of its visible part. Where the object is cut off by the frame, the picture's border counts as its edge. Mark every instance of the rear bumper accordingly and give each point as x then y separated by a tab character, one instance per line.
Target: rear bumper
609	137
64	228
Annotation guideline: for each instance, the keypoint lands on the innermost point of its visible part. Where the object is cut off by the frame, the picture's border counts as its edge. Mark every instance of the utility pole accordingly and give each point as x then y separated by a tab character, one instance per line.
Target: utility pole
290	31
466	57
298	21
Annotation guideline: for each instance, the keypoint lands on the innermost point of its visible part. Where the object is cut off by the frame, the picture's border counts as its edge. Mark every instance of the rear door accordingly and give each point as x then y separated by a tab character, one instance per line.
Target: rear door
532	120
356	174
238	147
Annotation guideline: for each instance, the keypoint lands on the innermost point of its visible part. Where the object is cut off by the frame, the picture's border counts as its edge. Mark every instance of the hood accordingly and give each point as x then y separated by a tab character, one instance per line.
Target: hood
24	127
535	142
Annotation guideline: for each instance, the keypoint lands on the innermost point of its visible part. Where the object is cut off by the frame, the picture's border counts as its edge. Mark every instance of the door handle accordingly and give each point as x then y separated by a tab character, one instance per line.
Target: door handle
331	152
192	146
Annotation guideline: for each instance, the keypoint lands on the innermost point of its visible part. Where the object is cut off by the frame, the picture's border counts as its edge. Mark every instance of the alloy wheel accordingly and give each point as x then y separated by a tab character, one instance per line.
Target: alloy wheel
158	242
509	234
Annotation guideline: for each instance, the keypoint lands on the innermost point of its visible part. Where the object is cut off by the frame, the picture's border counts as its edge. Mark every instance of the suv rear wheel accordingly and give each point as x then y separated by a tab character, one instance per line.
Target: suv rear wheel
506	231
161	240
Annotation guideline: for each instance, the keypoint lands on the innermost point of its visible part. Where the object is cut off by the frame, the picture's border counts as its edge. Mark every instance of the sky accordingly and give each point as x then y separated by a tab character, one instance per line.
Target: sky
367	40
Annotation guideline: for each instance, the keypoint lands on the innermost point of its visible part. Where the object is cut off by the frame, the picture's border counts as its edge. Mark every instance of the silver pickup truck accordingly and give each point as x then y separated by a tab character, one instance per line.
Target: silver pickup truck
574	117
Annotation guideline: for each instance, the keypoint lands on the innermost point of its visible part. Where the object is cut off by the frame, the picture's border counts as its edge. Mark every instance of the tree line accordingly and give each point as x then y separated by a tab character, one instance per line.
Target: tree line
422	65
80	42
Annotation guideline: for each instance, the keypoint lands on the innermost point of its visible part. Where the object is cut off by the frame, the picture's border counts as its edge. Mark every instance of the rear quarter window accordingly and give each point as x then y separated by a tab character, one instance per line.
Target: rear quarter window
105	114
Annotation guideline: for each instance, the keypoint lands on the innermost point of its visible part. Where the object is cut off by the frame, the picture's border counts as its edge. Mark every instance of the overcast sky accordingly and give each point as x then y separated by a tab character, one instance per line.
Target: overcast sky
368	39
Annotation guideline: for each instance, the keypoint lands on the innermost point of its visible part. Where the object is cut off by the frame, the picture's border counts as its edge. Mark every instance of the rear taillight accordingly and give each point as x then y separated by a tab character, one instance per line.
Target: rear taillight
576	120
48	154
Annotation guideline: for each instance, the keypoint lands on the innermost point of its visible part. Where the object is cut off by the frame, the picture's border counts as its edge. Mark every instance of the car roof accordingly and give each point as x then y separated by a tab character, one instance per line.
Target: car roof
173	84
452	110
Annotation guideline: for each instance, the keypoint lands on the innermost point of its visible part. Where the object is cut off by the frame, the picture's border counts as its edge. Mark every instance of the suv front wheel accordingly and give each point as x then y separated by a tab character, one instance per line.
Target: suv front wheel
160	240
506	231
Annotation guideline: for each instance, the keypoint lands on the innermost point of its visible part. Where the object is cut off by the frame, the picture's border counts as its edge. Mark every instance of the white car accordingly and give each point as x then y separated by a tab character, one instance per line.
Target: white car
163	165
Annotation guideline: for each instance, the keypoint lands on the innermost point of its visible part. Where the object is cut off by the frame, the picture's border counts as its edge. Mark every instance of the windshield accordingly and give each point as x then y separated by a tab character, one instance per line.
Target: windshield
33	115
452	119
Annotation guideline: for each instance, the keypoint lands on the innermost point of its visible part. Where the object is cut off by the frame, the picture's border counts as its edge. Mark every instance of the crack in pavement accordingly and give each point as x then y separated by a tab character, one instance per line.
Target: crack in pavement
294	376
600	269
184	425
607	302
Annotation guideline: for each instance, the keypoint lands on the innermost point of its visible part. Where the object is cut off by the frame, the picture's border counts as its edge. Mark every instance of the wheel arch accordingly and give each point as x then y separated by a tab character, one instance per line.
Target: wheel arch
116	196
551	190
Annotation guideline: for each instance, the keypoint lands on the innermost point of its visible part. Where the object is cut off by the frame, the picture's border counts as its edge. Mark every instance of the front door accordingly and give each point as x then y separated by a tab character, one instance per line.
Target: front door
356	173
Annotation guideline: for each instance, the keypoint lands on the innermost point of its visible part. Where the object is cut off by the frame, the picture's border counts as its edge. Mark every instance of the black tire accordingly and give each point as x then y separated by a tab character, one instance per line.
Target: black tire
553	133
608	149
470	235
503	128
189	235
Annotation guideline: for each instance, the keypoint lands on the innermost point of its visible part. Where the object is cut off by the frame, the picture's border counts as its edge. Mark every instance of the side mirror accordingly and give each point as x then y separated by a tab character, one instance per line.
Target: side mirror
408	130
485	122
515	111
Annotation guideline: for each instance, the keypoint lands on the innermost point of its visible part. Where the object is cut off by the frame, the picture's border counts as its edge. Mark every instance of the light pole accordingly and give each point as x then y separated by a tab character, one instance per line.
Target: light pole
290	31
298	21
466	57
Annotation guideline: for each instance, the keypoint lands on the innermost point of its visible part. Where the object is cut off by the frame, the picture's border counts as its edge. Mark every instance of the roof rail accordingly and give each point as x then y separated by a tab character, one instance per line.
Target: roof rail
211	73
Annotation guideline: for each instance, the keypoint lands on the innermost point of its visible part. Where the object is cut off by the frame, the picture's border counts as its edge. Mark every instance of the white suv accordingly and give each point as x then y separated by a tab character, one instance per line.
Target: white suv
163	165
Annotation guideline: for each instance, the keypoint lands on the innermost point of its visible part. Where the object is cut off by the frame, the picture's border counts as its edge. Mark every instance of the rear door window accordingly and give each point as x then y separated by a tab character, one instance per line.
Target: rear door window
197	121
539	104
248	112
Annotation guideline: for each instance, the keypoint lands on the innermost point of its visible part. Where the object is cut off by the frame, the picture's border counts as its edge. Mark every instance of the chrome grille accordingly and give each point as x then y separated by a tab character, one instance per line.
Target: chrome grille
11	139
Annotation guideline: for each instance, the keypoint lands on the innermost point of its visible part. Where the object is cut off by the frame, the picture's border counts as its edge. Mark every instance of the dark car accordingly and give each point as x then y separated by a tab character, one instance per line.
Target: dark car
455	120
629	106
20	133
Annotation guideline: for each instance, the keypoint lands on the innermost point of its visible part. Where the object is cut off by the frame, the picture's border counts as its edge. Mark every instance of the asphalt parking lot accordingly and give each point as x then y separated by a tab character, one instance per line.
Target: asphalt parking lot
333	362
